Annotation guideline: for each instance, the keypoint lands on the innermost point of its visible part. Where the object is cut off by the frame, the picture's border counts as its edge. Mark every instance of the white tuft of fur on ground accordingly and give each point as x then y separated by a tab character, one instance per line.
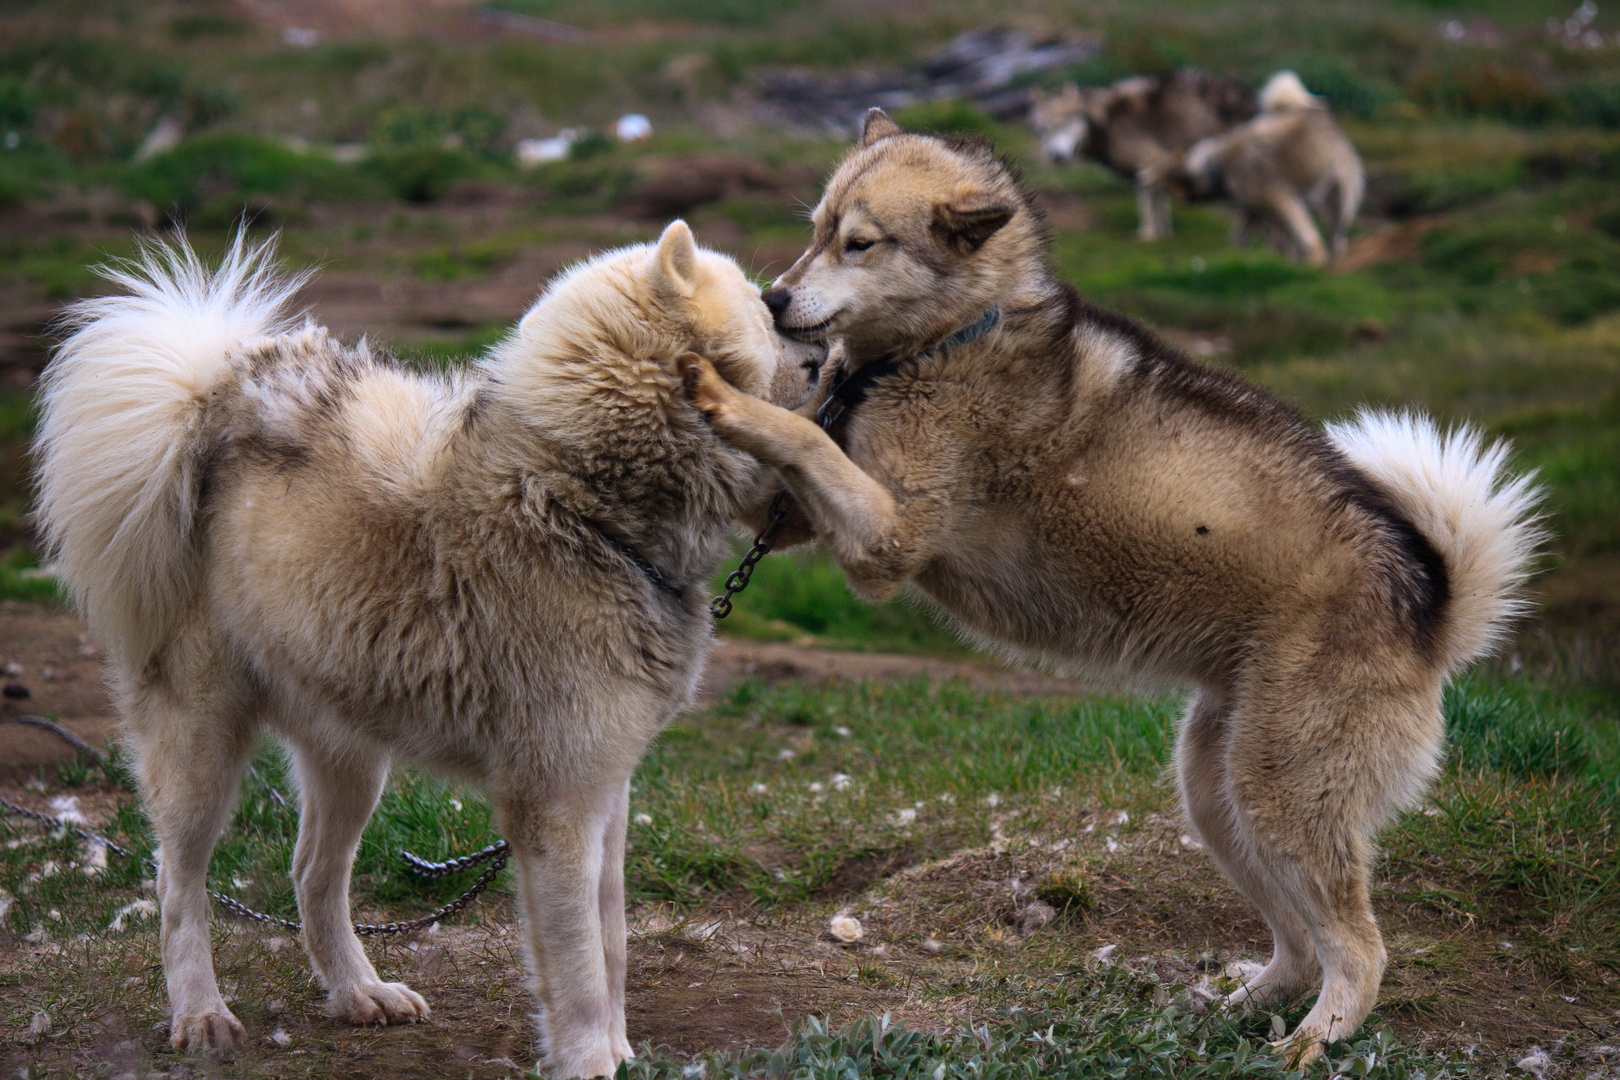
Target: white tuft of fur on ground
1458	492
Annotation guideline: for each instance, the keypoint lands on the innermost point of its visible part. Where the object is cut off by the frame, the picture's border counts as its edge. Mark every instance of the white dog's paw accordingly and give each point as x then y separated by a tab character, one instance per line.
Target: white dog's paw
590	1054
377	1003
213	1031
622	1048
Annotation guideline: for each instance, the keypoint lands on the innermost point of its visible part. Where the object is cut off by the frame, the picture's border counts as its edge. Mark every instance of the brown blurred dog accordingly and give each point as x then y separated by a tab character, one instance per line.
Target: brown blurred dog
1278	168
1072	490
1140	127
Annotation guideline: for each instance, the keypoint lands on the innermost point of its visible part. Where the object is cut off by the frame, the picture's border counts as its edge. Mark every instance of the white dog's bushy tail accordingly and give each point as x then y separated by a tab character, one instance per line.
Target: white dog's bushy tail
1481	519
117	448
1284	92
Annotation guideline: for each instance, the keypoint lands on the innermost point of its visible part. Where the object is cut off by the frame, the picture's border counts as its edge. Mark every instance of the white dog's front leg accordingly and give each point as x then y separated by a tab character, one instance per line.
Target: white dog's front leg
610	900
560	853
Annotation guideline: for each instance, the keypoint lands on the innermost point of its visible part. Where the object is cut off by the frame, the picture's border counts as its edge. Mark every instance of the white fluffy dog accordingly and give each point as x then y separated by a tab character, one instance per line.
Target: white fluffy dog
495	574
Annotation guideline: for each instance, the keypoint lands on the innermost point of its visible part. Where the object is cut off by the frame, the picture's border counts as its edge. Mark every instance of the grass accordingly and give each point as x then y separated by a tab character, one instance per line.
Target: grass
1099	1027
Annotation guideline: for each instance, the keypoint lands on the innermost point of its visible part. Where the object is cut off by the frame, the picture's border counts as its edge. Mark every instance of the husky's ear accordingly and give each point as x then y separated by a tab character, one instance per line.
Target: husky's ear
676	259
877	125
971	216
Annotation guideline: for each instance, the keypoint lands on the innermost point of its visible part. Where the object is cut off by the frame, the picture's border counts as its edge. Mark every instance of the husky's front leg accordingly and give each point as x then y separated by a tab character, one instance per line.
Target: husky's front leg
877	545
559	842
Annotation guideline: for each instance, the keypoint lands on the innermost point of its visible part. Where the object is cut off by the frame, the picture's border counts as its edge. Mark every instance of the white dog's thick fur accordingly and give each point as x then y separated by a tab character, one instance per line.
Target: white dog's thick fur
270	531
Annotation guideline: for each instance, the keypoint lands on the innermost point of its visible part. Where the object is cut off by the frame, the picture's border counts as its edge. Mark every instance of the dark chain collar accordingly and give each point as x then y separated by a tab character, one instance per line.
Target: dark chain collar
849	390
640	562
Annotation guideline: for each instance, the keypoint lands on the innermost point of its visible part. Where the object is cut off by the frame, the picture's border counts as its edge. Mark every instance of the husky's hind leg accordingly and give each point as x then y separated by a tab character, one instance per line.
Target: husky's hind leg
339	788
1206	794
190	749
1318	760
1304	239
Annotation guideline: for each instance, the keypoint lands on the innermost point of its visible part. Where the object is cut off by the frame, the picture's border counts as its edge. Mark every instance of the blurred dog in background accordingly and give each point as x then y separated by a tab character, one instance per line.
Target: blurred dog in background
1284	169
1140	127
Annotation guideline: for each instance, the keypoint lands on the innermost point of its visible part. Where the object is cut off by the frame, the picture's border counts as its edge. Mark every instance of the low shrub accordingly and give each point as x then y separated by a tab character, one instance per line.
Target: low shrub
1594	101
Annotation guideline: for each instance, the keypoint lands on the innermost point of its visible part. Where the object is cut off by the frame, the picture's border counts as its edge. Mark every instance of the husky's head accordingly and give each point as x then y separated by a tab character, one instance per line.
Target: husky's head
655	303
915	237
1061	123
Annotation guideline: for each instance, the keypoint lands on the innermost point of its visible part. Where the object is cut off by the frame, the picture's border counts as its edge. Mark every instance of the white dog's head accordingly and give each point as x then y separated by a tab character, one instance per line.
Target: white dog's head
655	303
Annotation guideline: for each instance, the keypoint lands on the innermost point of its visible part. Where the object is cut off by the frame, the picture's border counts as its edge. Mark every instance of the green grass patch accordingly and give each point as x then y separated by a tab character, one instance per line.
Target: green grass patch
1086	1027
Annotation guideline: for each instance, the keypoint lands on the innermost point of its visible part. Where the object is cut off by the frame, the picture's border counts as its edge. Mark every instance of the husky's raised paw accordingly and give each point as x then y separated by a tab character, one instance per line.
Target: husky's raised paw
705	389
377	1003
215	1032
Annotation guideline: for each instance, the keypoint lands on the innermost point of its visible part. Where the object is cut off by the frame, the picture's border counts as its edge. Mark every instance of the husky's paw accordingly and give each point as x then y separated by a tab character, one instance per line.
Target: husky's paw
214	1031
377	1003
705	389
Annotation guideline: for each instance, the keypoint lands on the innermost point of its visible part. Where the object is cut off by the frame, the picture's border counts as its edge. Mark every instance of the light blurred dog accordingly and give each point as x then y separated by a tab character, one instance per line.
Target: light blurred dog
1139	127
1072	490
1288	163
495	574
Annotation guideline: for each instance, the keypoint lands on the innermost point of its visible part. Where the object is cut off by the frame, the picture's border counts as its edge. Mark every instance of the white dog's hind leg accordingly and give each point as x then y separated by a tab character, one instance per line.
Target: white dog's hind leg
610	899
1206	793
190	756
558	841
1147	209
339	789
1303	234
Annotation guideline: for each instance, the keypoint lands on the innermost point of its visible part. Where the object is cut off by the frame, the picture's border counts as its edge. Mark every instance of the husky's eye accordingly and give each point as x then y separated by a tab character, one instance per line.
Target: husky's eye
857	244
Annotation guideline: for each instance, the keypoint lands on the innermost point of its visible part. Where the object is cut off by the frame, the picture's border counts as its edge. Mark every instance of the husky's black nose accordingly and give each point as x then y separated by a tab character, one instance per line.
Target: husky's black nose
777	300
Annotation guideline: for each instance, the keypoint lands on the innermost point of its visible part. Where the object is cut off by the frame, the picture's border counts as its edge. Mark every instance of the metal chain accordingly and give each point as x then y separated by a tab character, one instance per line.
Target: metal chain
495	854
737	580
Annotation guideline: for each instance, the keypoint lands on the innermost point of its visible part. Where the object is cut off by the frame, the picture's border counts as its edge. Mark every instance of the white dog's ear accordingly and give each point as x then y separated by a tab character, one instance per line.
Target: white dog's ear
877	125
972	216
676	258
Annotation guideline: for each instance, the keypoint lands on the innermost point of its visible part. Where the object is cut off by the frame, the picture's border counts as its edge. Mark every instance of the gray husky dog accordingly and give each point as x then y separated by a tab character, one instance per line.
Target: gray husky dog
1072	490
495	574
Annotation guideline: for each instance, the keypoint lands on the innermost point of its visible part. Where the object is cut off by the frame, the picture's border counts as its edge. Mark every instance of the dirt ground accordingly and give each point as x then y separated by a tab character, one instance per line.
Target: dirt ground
938	934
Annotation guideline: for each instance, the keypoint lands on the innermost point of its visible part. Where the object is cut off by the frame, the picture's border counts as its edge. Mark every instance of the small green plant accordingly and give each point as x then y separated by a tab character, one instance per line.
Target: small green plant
1068	889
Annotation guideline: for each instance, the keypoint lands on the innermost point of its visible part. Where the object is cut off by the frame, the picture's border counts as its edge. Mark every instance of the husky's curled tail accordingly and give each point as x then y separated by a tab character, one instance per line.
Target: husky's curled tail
118	449
1481	519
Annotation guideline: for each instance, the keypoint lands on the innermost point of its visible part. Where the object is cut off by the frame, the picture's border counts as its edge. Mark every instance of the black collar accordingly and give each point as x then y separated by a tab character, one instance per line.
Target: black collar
848	391
640	562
